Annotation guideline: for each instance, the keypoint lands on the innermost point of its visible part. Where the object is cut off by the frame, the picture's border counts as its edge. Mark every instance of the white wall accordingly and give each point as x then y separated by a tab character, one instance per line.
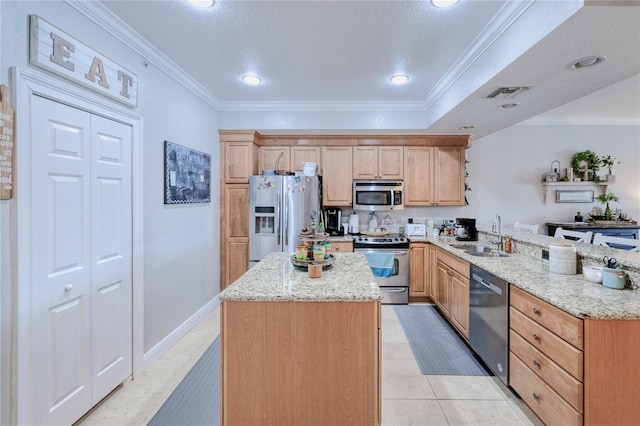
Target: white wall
506	168
181	243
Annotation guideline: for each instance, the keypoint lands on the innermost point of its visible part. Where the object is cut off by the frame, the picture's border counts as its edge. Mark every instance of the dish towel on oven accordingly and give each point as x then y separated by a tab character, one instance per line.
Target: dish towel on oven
381	263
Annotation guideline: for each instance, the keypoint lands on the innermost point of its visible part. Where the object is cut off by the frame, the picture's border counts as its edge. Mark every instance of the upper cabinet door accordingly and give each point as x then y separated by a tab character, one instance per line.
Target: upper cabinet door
240	161
390	162
449	169
365	162
305	154
378	162
275	158
337	189
419	176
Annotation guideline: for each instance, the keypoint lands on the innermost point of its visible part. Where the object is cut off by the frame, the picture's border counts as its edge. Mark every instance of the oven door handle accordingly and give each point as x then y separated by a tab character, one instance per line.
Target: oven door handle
393	290
395	252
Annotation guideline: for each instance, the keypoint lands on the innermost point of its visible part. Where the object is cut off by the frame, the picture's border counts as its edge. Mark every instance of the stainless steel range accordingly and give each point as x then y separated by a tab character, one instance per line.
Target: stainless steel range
395	286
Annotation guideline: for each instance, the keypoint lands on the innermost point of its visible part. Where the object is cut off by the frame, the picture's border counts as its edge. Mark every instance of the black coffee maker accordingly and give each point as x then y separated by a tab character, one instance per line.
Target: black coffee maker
333	221
469	232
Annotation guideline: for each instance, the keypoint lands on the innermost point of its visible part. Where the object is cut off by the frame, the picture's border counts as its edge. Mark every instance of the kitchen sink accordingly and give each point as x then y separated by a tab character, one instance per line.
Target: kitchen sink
489	253
472	248
479	250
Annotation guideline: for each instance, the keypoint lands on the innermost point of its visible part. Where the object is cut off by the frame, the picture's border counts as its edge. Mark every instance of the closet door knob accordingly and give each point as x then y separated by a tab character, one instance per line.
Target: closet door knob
68	288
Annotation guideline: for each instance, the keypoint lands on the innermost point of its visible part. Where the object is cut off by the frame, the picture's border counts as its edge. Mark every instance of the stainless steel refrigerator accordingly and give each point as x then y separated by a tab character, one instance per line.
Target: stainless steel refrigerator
279	207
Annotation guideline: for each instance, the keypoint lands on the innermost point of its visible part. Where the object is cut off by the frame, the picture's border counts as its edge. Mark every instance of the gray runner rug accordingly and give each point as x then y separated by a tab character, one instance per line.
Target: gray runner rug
437	348
196	400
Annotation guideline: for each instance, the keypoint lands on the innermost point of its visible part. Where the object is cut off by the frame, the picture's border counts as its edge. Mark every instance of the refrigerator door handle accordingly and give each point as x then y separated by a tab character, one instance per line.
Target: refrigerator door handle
278	218
285	207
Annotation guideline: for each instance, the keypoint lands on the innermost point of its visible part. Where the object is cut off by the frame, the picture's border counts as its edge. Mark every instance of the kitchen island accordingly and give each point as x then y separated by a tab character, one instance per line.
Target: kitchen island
296	350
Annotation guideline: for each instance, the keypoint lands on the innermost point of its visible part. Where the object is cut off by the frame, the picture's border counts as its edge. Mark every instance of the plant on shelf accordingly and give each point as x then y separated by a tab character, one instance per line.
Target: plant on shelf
585	162
606	199
608	162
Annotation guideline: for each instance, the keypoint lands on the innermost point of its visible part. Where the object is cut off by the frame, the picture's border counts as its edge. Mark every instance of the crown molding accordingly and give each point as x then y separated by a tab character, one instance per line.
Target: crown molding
579	121
507	15
324	106
103	17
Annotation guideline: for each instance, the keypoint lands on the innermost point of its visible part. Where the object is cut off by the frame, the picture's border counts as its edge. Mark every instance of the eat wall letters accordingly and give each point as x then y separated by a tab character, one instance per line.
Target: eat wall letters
61	54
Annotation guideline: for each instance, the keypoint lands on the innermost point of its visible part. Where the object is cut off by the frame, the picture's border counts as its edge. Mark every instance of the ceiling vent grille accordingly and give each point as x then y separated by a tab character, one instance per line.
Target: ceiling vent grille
508	92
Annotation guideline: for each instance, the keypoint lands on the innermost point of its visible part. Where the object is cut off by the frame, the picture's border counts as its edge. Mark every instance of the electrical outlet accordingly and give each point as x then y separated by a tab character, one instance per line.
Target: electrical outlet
545	254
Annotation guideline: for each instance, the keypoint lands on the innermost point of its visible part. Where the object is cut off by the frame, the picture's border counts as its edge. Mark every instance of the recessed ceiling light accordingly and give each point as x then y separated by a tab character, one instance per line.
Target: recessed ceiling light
587	62
251	80
469	127
506	106
201	3
399	79
444	3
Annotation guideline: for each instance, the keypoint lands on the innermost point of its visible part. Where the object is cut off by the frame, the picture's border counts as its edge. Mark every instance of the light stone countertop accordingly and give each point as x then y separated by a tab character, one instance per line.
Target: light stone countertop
275	279
341	238
571	293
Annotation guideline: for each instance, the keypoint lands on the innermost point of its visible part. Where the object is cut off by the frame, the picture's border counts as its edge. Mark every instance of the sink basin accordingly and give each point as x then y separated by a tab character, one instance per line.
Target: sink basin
487	253
471	248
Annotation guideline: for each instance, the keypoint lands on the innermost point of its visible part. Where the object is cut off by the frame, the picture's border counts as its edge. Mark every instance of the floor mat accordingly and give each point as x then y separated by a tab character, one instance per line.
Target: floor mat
196	400
436	347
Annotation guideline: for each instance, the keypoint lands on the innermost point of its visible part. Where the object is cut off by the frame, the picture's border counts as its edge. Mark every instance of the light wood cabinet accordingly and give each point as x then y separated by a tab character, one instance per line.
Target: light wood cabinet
292	157
269	156
434	176
546	361
433	272
378	162
419	270
341	246
453	290
337	189
240	161
305	154
300	363
236	233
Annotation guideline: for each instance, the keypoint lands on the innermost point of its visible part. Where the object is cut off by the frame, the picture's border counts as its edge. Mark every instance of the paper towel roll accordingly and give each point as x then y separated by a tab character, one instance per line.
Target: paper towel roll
562	258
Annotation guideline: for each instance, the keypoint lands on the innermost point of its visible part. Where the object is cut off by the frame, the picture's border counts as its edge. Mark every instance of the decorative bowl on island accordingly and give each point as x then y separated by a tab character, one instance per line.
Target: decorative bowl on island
592	273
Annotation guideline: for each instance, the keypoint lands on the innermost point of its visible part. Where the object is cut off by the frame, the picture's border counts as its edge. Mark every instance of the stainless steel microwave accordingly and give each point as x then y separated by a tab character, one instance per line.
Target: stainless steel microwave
376	195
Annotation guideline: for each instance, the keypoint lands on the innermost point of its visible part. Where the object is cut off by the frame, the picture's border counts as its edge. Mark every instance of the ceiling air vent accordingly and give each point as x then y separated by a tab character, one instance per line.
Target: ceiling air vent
508	92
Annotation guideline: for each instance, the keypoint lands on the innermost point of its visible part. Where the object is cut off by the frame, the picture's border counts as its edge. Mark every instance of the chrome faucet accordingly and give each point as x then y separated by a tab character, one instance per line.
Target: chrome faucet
497	228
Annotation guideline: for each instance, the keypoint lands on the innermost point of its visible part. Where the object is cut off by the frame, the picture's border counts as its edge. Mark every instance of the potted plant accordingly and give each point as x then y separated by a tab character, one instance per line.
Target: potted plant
606	199
608	162
585	162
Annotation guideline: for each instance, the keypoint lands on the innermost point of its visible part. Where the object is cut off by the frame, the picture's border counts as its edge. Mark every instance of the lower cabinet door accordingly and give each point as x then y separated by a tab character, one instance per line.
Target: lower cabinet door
544	401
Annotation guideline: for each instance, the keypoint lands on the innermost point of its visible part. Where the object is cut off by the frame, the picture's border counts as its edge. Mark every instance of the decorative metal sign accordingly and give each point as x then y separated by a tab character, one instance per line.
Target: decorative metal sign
7	138
61	54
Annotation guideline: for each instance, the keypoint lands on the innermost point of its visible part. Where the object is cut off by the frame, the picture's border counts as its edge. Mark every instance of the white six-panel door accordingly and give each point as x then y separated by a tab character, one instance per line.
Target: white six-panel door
81	260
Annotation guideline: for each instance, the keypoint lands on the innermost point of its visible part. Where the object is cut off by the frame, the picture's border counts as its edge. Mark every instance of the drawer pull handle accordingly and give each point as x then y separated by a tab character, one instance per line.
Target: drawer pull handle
536	311
536	396
536	363
536	337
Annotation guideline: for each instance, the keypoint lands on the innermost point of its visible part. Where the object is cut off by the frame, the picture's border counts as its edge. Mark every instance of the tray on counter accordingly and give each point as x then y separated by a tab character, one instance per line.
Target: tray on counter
304	264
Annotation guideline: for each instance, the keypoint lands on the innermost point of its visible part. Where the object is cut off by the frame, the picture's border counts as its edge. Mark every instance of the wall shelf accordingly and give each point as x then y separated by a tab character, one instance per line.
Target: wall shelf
546	185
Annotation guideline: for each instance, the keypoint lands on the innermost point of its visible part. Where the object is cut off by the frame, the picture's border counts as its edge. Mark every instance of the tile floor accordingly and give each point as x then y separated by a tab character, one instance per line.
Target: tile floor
408	397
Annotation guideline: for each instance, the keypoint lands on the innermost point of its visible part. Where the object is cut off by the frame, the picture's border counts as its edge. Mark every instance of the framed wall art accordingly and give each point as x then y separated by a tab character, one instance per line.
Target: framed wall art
574	196
187	175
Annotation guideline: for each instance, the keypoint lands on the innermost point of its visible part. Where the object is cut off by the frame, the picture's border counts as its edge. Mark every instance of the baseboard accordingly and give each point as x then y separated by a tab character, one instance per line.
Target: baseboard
153	354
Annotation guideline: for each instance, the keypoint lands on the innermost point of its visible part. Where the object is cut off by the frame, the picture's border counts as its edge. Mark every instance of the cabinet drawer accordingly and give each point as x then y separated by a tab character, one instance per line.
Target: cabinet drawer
562	353
341	246
561	323
454	262
547	404
559	380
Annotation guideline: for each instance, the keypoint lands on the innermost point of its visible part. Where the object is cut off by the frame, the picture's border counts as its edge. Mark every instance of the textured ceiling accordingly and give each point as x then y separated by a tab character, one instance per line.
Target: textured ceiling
333	53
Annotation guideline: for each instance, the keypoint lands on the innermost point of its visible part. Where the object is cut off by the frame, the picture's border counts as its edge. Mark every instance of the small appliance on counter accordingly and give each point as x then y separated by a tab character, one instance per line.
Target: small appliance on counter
354	223
469	231
333	221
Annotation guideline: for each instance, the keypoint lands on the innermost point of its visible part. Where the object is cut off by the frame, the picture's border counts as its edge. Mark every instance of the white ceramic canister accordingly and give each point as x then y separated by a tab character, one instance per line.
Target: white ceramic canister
562	258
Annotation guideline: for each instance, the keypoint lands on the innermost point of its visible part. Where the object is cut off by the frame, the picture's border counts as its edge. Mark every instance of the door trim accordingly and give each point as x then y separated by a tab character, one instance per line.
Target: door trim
26	84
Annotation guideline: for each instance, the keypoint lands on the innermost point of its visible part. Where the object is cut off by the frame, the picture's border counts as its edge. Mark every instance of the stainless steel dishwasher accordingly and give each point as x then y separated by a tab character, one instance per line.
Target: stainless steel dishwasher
489	320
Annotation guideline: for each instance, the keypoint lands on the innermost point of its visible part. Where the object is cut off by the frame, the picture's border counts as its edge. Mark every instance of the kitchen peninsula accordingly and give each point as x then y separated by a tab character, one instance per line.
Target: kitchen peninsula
297	350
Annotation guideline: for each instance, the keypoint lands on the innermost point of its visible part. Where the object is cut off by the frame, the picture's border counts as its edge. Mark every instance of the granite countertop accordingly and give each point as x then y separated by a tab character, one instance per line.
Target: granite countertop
341	238
571	293
274	279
